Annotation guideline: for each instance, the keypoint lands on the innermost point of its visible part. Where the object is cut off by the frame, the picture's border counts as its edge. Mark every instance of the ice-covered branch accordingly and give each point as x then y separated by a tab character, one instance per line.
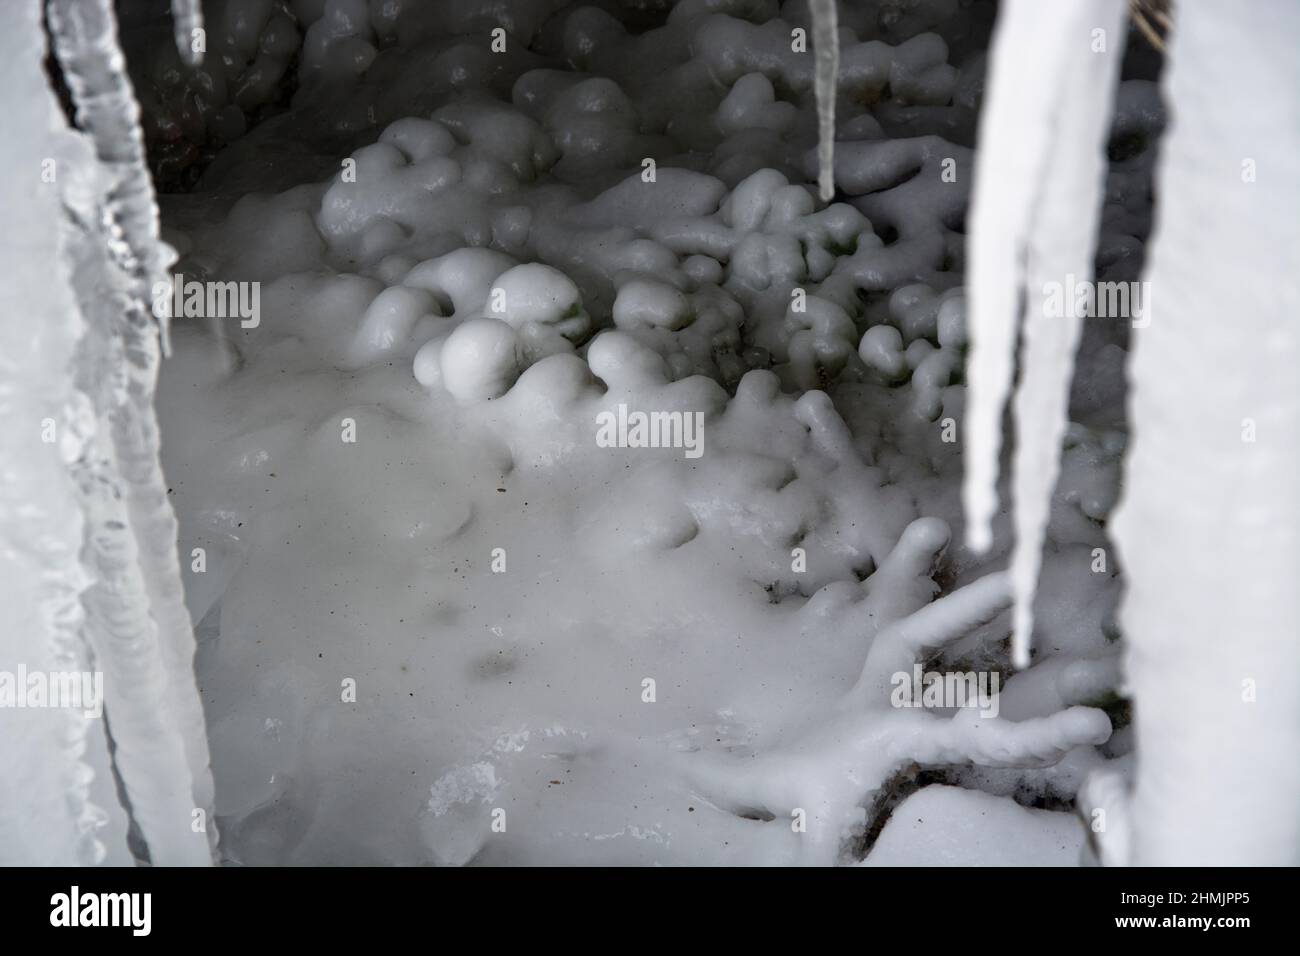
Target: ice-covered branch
827	768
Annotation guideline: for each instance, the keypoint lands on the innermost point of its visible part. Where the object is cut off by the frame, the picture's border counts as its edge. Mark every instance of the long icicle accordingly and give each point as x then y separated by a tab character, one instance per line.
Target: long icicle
1012	157
138	545
1061	244
1038	167
826	47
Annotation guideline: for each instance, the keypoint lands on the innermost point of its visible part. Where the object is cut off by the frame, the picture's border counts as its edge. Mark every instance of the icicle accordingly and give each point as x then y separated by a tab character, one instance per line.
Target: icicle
1062	175
1062	244
141	630
826	46
187	17
1014	139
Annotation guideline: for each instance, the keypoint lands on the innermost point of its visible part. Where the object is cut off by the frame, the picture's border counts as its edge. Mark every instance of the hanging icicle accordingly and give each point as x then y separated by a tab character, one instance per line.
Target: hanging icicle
826	47
1038	189
139	628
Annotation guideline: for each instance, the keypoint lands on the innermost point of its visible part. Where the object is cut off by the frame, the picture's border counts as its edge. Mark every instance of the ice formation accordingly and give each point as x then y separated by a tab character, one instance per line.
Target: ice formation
1025	190
112	598
187	24
826	42
450	306
451	312
971	833
1203	495
52	790
1192	636
439	621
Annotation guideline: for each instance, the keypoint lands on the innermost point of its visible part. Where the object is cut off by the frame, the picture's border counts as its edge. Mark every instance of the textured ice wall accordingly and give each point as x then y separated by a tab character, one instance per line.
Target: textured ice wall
47	813
1207	525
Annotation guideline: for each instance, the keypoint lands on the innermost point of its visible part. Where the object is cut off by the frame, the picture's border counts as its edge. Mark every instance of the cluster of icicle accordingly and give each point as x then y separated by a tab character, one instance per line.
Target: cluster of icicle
1038	192
1206	531
111	598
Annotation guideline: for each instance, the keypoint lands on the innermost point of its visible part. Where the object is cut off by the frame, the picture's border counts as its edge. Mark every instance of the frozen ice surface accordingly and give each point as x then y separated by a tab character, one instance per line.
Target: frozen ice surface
56	807
946	826
563	652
